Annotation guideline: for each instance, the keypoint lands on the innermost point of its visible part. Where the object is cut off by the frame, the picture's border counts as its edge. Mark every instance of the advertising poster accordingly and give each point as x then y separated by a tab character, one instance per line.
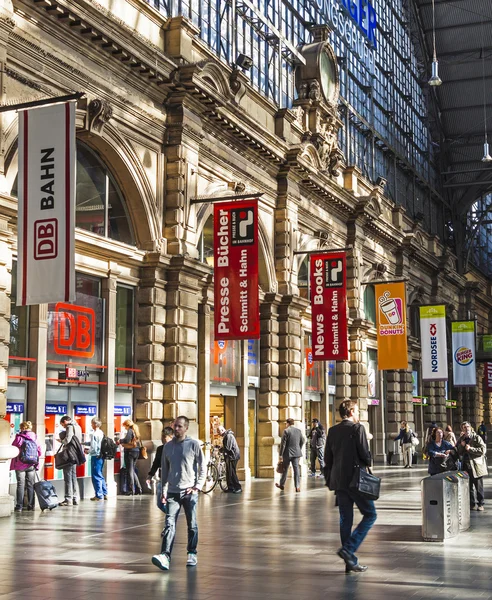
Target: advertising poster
391	326
46	221
237	301
464	363
433	343
488	377
329	306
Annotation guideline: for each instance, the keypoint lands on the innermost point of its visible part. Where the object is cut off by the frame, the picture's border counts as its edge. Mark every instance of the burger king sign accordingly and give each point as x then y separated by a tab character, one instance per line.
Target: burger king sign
464	370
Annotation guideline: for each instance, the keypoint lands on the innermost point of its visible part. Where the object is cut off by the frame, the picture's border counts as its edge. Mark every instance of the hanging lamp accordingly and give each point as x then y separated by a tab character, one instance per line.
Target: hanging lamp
435	80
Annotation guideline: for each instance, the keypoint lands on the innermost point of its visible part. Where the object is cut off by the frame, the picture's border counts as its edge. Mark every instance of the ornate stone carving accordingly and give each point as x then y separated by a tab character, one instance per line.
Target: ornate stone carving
100	112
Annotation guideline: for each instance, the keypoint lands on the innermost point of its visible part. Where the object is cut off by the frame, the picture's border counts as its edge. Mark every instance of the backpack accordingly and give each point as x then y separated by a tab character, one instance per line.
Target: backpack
29	452
108	448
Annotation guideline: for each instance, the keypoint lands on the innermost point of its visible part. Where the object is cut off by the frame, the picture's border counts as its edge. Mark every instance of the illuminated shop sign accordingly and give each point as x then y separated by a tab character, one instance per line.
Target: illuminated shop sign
85	409
15	407
56	409
125	411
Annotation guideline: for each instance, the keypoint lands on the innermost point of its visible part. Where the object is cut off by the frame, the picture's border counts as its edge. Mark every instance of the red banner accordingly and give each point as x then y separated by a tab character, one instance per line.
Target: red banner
236	270
329	306
488	377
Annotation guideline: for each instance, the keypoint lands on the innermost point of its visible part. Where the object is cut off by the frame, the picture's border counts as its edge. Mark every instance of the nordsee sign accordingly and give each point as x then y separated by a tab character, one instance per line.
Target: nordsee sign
356	23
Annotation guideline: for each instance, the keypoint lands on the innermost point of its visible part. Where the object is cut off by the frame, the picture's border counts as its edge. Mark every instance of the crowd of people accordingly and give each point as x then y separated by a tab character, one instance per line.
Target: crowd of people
183	468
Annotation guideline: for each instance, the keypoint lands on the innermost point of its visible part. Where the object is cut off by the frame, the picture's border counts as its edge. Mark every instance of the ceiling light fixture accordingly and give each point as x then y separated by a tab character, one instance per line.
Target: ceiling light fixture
486	151
435	80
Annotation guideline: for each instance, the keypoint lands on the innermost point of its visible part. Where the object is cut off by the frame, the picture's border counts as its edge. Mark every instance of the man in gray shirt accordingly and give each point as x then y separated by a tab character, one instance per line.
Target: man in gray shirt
184	469
291	451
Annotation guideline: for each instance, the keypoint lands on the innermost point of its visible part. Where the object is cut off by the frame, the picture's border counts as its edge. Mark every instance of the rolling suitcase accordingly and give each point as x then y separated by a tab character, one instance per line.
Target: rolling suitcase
415	458
395	458
46	495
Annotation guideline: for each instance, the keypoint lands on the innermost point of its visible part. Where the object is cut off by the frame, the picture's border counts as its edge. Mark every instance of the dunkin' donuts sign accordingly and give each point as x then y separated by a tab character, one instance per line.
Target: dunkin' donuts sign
236	270
329	306
391	326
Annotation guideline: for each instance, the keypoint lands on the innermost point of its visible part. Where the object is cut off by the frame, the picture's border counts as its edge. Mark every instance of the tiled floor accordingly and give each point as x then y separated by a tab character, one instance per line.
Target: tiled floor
264	544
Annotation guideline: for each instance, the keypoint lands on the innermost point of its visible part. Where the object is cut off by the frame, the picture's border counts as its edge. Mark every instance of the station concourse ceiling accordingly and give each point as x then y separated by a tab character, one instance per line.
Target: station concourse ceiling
463	35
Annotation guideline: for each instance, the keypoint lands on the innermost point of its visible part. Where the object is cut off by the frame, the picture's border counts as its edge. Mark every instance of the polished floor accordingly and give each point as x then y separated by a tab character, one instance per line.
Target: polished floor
263	544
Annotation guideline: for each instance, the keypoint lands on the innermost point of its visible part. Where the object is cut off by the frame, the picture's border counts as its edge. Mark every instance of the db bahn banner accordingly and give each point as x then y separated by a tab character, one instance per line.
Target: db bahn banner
464	364
488	377
46	222
433	343
391	326
236	271
329	306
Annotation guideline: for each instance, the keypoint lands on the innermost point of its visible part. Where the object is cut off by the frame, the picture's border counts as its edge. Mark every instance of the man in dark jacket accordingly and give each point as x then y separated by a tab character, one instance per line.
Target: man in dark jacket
71	438
346	448
232	455
291	451
317	435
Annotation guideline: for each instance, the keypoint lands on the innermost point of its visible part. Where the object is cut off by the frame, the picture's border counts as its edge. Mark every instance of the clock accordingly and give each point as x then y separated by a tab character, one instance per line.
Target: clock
328	76
321	66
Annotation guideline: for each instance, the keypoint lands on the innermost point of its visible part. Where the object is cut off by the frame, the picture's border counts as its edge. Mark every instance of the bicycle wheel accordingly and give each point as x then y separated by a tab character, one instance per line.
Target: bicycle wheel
211	479
222	477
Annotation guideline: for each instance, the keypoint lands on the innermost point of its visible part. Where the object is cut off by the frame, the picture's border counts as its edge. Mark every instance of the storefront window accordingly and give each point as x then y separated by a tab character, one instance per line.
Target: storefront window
99	204
19	319
124	327
373	384
369	304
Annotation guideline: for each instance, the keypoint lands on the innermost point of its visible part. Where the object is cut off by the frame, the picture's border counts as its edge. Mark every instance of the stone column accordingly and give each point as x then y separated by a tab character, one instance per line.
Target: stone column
185	280
151	317
107	392
38	348
204	340
268	399
7	451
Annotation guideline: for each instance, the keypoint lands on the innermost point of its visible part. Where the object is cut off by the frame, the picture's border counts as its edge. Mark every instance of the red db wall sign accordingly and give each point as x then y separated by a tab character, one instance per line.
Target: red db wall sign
236	270
75	330
329	306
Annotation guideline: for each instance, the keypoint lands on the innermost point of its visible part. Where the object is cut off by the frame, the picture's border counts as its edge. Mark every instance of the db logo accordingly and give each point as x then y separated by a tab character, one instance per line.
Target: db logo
75	330
45	239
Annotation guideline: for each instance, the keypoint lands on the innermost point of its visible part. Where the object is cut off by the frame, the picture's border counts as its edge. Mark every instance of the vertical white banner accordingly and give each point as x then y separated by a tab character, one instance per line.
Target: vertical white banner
464	363
433	343
46	219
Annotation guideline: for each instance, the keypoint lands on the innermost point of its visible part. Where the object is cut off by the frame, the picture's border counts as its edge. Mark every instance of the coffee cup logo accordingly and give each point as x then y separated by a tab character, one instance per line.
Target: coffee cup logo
391	308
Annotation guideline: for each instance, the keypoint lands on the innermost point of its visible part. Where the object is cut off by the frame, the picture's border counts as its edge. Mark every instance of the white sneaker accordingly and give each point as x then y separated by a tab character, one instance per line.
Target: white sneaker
161	561
192	560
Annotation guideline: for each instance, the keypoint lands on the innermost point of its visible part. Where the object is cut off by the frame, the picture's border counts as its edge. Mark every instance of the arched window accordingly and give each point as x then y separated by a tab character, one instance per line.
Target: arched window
99	203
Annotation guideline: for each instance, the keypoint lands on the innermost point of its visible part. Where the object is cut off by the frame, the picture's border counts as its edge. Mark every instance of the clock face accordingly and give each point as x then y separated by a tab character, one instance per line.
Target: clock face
327	76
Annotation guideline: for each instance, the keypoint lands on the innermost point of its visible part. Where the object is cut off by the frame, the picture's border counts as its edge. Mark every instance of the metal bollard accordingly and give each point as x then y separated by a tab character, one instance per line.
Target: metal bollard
440	507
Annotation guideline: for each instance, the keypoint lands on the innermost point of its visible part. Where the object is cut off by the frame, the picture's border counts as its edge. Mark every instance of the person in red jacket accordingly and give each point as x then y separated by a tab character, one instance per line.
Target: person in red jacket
25	464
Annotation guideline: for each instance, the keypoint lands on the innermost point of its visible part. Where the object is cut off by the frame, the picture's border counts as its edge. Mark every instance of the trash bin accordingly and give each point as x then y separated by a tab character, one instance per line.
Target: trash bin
463	499
440	507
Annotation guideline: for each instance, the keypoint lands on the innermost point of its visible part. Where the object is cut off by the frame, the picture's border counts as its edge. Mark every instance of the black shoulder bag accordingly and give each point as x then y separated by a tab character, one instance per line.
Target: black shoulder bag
364	482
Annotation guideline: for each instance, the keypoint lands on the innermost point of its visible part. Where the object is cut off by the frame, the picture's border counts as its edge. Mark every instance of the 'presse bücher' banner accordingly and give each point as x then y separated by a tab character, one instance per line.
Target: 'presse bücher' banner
391	326
46	222
464	364
433	343
236	270
329	306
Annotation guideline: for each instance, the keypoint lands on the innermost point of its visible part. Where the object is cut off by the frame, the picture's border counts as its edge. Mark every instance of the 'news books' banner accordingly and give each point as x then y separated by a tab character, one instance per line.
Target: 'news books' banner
329	306
391	326
237	301
433	343
464	364
488	377
46	222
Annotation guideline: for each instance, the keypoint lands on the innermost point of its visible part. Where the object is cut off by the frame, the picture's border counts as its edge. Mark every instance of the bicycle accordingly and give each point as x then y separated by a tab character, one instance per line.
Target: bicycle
216	471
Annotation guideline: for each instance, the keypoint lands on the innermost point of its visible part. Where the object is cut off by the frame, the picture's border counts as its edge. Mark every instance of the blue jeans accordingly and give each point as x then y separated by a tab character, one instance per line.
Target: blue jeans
351	540
98	481
174	504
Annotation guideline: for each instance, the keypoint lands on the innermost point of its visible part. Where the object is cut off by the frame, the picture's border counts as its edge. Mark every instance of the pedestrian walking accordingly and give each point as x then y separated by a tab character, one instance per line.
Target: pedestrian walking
25	465
71	438
482	432
230	449
471	451
97	462
184	469
131	444
406	436
317	437
347	448
438	450
290	452
449	435
166	436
